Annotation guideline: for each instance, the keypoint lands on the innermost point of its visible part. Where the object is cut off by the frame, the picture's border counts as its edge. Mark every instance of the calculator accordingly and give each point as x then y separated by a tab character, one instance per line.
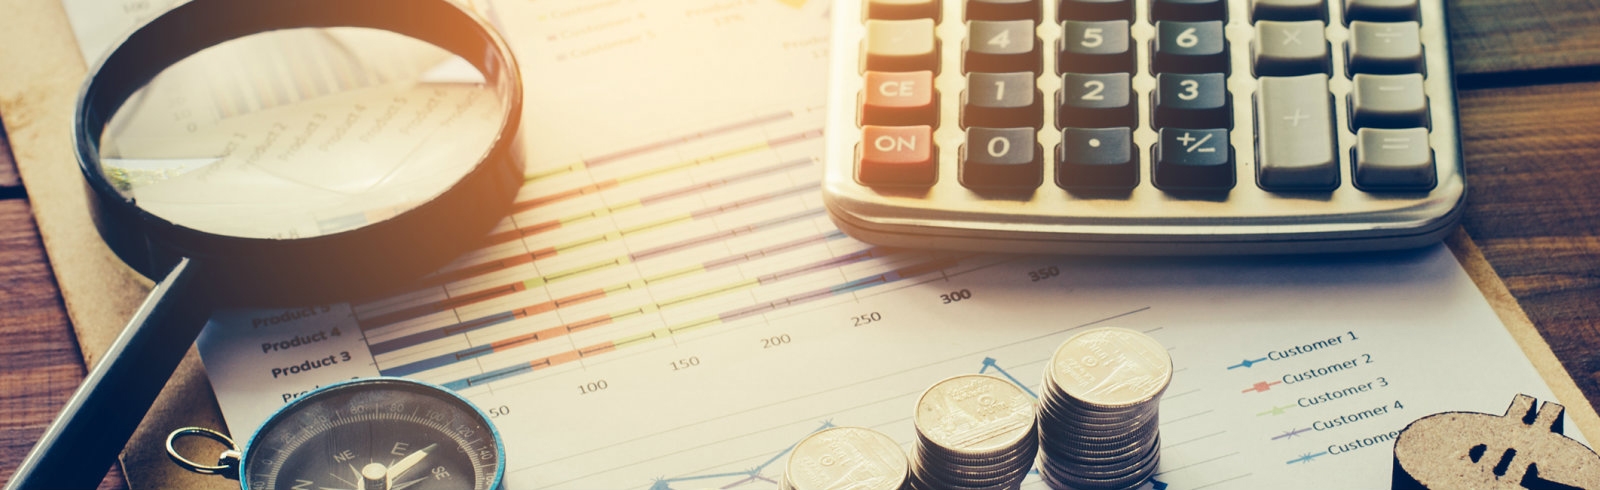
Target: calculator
1163	127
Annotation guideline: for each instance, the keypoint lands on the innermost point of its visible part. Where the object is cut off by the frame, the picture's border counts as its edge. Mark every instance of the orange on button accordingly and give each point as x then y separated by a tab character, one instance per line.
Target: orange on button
897	156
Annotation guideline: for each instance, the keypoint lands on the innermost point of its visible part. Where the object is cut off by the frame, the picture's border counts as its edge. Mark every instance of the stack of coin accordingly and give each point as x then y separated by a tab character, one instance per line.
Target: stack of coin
845	458
1098	426
973	431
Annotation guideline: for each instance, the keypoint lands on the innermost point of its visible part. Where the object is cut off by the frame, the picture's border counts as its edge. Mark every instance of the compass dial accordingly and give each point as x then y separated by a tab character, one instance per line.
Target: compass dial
382	434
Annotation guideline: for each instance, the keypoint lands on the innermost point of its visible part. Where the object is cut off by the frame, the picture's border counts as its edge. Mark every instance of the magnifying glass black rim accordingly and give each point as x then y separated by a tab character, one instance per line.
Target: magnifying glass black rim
358	262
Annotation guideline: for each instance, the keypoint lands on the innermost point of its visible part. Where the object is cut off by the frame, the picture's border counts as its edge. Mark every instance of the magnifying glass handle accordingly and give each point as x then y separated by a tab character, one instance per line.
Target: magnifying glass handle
84	440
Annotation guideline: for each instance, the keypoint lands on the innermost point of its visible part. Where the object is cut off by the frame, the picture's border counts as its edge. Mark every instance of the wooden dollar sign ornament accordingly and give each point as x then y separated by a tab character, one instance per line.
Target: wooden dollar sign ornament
1523	449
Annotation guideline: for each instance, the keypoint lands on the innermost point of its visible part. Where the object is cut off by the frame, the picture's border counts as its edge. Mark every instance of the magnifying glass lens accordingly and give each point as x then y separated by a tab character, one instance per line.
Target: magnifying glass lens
259	152
301	133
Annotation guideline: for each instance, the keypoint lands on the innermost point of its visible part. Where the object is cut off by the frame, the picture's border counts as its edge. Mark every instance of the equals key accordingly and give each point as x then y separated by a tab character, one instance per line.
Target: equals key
1394	160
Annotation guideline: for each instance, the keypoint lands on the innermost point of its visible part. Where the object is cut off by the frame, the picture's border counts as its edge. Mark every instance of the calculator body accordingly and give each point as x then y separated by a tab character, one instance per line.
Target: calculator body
1261	200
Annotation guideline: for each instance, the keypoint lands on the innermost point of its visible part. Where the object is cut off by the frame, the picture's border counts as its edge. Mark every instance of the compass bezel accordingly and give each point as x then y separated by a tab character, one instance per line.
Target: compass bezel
421	388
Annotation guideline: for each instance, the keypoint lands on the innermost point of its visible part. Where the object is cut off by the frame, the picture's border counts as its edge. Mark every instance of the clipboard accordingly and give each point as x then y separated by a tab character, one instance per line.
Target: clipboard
38	87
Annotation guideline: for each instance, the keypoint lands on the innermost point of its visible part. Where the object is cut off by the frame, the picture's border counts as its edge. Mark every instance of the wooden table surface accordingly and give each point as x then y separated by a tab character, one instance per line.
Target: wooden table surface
1529	72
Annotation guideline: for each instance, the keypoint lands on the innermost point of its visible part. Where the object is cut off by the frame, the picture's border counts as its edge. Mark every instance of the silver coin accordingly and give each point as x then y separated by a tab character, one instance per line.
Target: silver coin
975	414
1111	367
941	477
846	458
1132	479
1061	481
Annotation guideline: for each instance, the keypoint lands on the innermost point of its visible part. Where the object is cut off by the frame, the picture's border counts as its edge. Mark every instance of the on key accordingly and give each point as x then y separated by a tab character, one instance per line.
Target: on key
1001	100
1097	159
1193	160
1095	10
1189	10
899	99
1190	47
1192	101
1095	47
897	157
1096	100
1003	10
1001	46
1001	159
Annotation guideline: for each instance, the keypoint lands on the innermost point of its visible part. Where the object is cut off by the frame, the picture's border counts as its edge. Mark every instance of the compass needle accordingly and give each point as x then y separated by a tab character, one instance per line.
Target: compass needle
359	483
404	486
410	460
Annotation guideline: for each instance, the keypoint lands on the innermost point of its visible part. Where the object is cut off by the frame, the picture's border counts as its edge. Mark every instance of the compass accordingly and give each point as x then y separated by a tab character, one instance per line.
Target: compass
365	434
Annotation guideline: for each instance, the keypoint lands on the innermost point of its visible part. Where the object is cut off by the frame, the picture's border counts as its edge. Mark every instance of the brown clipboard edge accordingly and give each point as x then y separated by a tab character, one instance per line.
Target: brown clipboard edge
40	72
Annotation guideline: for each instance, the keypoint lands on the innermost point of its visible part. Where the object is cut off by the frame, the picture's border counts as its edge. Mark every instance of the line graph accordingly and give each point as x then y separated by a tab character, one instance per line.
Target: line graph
758	205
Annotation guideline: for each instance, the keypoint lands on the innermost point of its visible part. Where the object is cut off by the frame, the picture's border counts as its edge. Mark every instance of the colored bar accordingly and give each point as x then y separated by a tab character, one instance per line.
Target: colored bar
562	330
435	307
621	154
488	267
632	340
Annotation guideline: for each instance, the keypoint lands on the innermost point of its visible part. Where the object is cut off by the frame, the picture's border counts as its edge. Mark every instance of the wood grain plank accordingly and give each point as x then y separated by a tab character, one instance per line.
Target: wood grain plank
39	361
1533	170
1497	36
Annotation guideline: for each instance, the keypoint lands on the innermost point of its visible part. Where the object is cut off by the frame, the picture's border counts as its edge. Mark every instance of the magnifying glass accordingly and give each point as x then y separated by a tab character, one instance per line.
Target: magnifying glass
277	152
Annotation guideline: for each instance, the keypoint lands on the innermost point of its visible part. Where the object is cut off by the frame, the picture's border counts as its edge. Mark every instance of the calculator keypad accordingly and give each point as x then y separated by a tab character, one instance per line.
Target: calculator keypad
1132	100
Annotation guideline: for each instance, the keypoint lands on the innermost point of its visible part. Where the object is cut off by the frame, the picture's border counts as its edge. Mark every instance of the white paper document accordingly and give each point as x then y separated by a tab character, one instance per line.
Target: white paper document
671	308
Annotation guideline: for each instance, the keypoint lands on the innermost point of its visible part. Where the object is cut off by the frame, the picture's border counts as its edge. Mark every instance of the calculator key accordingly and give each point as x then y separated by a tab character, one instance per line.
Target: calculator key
1001	100
1388	101
1001	159
1096	47
1097	159
1189	10
1003	9
1388	48
1394	160
897	156
1001	46
900	45
1285	49
1382	10
1190	47
1192	101
899	99
1193	160
1090	100
1288	10
1295	139
1095	10
902	9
